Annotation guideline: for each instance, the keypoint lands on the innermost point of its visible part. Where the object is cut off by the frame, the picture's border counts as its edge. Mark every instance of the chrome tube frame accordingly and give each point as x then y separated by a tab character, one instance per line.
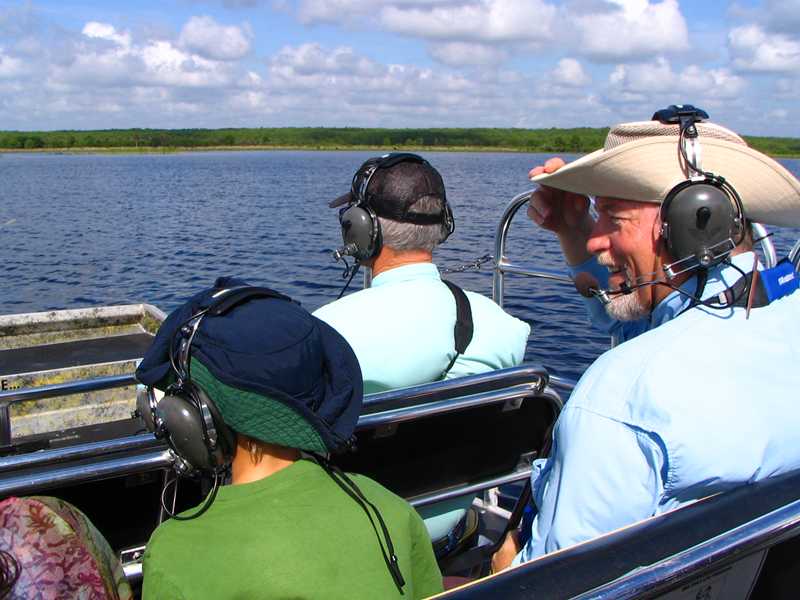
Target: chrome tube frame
759	232
535	377
766	530
50	391
42	469
463	490
29	481
794	256
501	263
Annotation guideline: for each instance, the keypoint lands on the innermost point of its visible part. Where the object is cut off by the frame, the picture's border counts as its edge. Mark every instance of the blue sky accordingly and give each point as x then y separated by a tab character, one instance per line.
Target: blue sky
396	63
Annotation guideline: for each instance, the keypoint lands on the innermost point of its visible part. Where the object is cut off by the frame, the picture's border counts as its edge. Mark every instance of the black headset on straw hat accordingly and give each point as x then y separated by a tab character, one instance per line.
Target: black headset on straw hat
702	217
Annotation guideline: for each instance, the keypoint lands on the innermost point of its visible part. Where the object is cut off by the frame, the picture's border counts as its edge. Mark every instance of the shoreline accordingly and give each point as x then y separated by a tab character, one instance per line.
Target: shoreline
309	148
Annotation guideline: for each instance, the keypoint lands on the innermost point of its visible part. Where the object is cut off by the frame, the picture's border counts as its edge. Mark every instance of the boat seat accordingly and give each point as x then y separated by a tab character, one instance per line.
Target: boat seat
439	441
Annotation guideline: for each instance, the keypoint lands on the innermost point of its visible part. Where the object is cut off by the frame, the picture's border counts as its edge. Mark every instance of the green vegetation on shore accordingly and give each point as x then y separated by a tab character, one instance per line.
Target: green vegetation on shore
576	140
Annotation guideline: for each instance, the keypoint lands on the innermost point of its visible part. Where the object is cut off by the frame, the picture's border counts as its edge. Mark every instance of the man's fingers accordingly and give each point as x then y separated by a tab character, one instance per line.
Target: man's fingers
553	164
535	171
538	209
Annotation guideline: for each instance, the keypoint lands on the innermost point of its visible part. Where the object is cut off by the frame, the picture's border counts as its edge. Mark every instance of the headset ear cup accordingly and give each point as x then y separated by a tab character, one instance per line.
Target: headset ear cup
361	228
185	432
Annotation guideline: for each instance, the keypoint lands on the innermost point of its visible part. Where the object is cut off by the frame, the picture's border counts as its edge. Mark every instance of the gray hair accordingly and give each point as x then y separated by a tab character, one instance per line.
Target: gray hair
408	236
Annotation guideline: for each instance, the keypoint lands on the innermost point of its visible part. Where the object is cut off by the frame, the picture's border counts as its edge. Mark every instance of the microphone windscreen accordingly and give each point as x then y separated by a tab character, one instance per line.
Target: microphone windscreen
584	282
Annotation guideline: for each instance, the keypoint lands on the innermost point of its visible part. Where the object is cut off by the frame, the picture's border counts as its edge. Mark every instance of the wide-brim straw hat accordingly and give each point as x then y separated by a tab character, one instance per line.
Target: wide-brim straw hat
641	161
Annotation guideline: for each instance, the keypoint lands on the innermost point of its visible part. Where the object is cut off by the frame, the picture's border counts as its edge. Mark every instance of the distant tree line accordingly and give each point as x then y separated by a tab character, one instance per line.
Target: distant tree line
578	140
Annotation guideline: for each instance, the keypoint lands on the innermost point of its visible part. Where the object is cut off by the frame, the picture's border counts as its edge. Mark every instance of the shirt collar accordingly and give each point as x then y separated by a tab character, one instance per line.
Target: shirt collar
720	278
412	272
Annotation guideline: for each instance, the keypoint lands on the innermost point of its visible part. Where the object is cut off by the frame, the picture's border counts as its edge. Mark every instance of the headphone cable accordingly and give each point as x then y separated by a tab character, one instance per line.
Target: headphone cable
353	270
352	490
206	503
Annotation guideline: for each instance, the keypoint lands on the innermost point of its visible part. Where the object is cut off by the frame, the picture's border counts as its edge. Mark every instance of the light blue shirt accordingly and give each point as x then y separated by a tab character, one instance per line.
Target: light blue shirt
691	404
401	330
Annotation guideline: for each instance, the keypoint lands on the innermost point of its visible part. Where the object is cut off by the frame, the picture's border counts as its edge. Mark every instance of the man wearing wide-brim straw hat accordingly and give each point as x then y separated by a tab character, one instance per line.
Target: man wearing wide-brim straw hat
702	394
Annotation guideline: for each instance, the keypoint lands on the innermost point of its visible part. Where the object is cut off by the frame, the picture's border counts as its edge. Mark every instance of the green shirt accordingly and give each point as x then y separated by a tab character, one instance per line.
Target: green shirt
294	534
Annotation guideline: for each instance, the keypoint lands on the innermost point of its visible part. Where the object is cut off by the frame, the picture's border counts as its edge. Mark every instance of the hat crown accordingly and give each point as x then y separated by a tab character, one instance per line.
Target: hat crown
638	130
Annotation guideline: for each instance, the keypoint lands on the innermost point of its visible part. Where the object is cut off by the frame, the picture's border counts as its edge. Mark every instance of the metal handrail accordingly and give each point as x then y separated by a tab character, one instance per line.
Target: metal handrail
439	407
756	535
26	482
501	263
694	540
794	255
460	386
26	473
466	489
80	386
64	389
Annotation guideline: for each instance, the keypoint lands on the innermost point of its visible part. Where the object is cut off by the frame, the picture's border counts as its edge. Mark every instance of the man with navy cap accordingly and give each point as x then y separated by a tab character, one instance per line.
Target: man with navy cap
409	327
256	384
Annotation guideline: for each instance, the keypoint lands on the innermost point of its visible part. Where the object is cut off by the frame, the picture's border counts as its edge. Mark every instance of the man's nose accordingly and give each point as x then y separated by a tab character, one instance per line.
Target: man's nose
598	240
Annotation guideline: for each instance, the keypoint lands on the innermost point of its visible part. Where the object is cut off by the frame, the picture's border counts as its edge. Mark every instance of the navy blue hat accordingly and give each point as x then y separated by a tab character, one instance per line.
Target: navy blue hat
275	372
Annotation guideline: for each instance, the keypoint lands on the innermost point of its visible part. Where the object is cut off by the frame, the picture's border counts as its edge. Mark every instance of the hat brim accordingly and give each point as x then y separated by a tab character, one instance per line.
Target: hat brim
341	200
646	170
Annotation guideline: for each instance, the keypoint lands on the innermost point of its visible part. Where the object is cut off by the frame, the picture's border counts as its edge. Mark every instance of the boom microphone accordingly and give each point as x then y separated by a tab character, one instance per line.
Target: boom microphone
588	287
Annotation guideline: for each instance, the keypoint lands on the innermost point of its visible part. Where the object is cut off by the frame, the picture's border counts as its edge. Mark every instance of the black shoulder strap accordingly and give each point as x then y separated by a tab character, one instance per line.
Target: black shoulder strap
464	327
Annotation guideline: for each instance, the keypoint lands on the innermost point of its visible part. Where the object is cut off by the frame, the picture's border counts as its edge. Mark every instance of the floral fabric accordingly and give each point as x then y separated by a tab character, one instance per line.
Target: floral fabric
60	552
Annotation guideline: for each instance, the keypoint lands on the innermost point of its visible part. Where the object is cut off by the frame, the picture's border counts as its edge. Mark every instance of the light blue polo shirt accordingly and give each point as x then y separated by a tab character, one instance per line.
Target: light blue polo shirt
695	402
401	330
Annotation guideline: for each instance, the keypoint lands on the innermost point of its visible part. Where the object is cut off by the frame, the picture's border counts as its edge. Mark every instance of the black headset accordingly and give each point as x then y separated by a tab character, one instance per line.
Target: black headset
702	218
361	229
186	417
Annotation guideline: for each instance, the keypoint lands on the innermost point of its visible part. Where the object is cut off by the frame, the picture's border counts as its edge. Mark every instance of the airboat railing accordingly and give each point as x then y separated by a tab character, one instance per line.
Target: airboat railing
794	256
27	472
7	398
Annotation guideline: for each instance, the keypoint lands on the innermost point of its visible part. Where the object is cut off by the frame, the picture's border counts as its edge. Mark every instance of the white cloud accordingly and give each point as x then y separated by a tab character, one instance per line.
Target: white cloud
207	38
10	66
478	20
752	49
104	31
640	82
461	54
314	60
630	29
570	72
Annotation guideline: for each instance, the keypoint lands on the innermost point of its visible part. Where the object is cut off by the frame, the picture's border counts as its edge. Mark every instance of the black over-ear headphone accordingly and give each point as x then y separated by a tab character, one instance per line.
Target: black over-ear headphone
702	218
186	417
361	230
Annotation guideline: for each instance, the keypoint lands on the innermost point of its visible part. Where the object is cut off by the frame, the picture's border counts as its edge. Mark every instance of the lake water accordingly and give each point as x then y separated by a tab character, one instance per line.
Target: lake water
89	230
